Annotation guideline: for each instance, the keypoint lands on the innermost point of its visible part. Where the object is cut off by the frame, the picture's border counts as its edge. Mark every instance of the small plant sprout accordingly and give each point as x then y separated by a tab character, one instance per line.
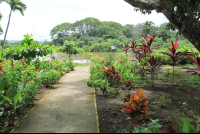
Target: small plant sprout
185	109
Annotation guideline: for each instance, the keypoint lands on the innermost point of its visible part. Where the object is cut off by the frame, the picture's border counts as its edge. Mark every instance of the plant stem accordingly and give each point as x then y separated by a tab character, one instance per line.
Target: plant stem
153	78
173	74
126	58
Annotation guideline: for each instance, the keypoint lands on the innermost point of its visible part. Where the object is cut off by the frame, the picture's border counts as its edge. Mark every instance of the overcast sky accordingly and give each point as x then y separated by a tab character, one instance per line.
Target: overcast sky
42	15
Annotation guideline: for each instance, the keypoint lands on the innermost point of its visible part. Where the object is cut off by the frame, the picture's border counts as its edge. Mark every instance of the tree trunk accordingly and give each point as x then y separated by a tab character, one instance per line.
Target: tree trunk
6	29
189	27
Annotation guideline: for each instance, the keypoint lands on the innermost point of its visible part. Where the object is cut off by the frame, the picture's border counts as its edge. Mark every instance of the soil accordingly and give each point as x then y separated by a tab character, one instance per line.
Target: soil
112	120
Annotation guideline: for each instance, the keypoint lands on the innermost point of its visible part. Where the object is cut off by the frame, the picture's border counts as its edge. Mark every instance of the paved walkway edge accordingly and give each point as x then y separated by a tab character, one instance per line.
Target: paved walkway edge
95	102
35	106
51	91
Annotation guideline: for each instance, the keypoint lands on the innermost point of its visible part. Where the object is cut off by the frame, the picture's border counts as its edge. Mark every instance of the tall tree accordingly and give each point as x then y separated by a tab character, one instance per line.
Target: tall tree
128	30
163	32
105	30
183	15
148	27
88	25
138	31
15	5
113	24
59	32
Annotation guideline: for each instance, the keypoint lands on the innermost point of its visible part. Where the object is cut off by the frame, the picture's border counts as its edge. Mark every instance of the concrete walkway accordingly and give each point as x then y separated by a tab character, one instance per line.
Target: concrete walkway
69	108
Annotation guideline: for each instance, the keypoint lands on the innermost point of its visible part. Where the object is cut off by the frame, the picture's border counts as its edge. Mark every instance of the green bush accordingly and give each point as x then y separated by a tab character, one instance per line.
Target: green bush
50	77
90	43
164	60
70	64
66	69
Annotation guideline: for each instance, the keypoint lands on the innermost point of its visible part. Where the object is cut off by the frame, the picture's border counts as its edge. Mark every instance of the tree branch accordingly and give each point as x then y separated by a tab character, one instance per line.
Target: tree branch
150	4
188	27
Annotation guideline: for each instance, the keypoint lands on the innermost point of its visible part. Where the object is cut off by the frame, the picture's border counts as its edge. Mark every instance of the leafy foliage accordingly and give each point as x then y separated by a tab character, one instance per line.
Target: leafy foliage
28	49
175	56
152	127
112	74
196	61
70	48
137	105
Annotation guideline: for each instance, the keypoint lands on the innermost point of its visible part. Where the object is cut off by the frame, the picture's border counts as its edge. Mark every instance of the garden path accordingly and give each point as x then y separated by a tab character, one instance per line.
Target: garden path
68	108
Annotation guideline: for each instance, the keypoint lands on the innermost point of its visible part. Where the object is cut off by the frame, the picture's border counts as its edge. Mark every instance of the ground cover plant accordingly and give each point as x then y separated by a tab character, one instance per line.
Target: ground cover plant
170	108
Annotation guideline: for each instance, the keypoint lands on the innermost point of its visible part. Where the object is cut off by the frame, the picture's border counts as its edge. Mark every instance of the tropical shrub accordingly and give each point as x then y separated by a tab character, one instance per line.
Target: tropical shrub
28	49
70	48
98	78
121	59
20	82
164	60
50	77
66	69
137	105
112	75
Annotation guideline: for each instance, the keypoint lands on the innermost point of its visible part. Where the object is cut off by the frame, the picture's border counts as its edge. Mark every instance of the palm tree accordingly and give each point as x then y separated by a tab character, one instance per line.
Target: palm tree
15	5
1	30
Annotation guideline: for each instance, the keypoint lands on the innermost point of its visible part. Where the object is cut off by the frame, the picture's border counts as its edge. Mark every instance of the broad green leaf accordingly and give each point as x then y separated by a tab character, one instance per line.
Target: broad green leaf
186	125
7	99
20	97
20	104
192	129
16	97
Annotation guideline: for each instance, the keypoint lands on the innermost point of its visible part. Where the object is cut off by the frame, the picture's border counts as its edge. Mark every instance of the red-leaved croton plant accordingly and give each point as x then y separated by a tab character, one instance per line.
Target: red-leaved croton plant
137	105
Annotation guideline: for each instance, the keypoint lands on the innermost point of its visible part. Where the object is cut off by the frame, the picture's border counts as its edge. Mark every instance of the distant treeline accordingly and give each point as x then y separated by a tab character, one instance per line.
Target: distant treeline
93	35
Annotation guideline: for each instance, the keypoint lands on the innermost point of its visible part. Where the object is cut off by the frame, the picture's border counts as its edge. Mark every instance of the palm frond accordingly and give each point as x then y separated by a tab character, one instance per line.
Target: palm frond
17	5
1	30
1	16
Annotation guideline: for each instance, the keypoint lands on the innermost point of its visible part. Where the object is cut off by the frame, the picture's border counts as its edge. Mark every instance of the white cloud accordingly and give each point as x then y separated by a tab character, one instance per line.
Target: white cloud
42	15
